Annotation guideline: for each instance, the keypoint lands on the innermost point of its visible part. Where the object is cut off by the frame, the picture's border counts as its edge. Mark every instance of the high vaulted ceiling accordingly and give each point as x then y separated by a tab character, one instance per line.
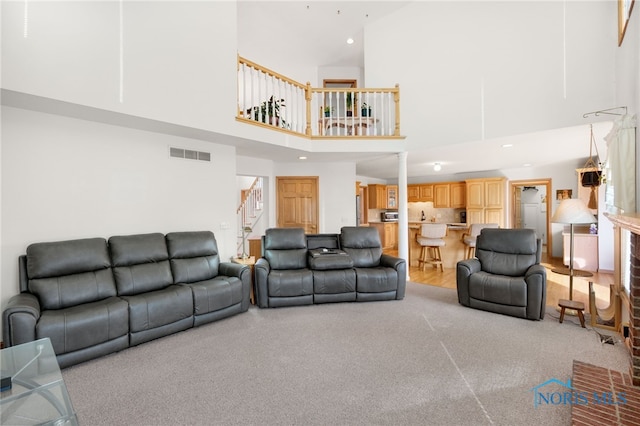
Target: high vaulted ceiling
314	34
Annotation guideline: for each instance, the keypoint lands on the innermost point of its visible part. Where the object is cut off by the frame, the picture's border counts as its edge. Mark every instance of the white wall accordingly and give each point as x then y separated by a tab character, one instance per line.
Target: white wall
178	58
479	70
64	178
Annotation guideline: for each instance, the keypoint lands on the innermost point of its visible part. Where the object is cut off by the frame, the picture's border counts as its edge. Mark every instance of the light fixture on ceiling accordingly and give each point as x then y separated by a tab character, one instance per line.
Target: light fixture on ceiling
507	145
302	157
437	167
349	40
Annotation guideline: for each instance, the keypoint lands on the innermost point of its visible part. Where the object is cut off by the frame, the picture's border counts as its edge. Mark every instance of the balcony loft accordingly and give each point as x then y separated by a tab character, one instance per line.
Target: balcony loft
271	100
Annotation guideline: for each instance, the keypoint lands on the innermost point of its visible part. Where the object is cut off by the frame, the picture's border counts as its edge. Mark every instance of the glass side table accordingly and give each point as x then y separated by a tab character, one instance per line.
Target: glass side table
38	394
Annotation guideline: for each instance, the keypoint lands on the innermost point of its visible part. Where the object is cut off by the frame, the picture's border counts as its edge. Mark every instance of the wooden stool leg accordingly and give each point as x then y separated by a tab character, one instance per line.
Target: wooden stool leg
562	314
581	316
439	254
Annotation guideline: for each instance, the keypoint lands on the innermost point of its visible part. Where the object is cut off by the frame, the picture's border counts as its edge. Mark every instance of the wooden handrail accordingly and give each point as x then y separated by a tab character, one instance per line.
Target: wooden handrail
302	120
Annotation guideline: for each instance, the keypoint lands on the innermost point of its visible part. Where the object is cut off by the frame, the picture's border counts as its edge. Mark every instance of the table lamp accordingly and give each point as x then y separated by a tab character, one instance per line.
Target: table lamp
572	211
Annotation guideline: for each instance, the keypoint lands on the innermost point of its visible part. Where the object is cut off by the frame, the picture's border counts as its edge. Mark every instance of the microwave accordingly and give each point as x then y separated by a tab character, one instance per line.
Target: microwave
389	216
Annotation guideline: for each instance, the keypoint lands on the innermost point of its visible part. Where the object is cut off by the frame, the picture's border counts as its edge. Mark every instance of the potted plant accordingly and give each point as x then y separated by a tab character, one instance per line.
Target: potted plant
327	111
271	109
349	101
365	110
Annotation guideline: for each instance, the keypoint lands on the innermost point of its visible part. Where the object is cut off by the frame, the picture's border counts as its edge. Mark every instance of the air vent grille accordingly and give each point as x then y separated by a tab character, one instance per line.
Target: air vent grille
189	154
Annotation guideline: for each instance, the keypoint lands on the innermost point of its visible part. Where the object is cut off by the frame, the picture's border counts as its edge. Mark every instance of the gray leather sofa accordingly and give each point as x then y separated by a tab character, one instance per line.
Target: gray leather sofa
299	269
92	298
506	276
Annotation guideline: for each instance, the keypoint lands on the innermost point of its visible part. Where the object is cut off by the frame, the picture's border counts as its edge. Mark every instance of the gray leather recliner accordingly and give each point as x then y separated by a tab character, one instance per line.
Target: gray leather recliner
157	306
67	293
378	276
506	276
282	276
219	289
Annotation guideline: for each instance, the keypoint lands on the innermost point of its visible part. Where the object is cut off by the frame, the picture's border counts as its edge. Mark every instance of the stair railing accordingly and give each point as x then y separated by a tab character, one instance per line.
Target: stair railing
269	99
249	213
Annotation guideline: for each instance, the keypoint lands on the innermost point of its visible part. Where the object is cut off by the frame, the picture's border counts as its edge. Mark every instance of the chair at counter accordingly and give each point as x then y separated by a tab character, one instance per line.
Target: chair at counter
431	239
469	239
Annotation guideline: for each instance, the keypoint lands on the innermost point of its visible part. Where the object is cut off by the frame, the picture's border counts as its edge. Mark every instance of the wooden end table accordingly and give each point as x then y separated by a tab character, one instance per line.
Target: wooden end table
251	261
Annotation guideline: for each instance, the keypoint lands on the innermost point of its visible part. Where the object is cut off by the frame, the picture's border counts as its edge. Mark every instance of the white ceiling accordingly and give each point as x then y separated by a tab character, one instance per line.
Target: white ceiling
321	29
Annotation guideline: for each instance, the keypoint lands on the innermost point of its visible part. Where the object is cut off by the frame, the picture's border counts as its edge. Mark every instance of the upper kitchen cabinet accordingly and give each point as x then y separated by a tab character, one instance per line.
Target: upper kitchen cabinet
485	201
419	192
441	197
458	195
377	196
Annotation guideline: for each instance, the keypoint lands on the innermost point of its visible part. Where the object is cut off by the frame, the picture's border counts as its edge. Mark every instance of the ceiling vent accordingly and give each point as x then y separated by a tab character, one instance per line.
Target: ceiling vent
189	154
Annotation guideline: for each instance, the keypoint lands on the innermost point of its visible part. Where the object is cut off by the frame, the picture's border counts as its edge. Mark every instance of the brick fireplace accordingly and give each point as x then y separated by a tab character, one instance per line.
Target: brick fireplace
632	223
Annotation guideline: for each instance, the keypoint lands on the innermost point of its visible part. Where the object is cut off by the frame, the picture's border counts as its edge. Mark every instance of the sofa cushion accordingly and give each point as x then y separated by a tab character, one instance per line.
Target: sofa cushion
290	283
507	251
334	281
194	256
363	244
376	280
140	263
85	325
68	273
285	248
215	294
500	289
154	309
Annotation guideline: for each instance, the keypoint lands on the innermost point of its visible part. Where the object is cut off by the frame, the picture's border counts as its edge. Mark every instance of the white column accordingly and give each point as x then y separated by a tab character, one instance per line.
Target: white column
403	211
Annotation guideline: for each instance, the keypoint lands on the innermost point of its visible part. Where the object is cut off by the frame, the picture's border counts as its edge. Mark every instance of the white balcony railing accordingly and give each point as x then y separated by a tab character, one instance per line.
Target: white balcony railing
266	98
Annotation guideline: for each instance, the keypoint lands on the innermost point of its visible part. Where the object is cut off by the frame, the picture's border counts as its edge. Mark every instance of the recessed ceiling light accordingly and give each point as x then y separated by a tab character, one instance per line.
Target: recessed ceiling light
302	157
507	145
349	40
526	165
437	167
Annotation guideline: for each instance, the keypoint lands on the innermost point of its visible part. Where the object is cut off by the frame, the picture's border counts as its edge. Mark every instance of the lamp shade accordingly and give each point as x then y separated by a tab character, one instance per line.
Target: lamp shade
573	211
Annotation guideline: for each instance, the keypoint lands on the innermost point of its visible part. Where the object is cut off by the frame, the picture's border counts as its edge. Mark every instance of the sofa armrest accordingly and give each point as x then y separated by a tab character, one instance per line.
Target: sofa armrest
19	319
400	265
243	272
262	269
464	270
536	279
231	269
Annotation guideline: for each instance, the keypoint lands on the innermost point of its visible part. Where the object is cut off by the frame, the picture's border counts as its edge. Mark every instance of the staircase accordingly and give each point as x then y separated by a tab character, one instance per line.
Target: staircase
248	214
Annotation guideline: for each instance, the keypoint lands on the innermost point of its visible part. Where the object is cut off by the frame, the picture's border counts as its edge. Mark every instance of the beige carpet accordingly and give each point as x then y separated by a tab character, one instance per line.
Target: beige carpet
423	360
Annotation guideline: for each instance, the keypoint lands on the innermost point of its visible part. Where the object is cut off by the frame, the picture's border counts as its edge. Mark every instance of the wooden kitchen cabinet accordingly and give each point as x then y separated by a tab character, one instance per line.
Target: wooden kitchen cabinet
377	196
441	195
413	193
388	234
485	201
426	192
458	195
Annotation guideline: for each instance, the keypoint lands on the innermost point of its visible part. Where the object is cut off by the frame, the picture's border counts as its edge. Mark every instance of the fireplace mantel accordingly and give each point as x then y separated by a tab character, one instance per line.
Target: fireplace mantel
629	221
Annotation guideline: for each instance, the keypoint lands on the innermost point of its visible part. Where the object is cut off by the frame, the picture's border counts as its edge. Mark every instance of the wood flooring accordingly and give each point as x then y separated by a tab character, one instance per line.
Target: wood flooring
557	285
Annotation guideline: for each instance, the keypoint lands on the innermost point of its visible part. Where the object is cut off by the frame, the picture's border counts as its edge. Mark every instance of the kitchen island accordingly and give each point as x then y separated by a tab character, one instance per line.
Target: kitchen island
453	250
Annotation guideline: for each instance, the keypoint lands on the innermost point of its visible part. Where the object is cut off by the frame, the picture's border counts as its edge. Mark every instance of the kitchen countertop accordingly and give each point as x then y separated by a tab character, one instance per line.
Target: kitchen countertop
452	226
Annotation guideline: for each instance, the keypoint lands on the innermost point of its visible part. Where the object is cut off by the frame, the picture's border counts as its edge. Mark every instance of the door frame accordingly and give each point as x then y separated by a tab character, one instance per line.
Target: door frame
533	182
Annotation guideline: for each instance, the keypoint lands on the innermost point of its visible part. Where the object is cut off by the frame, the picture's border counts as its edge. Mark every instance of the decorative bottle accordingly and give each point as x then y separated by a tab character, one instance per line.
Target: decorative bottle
422	217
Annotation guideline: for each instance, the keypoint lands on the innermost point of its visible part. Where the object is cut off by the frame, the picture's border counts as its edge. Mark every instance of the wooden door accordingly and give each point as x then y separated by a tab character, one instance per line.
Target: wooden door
297	202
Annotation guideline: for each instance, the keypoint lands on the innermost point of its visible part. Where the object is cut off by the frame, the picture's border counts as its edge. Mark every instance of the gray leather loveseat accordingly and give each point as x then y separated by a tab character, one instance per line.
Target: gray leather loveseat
92	297
506	276
299	269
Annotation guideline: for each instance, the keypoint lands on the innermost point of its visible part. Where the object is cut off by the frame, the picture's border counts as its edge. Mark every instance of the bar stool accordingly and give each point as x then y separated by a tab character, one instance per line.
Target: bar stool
469	239
431	239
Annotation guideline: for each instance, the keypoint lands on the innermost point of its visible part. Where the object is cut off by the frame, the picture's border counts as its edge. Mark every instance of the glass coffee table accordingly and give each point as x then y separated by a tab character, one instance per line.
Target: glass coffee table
38	394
